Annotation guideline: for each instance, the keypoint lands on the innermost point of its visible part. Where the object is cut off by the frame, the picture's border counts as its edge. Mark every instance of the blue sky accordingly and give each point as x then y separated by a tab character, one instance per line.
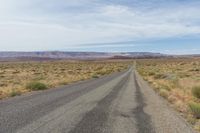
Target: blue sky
166	26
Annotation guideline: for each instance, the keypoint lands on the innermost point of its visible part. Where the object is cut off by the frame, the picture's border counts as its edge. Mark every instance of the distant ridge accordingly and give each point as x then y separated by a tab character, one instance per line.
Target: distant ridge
78	55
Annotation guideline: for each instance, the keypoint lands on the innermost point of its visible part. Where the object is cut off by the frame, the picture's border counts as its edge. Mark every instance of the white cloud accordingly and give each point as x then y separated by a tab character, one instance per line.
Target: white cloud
115	11
38	24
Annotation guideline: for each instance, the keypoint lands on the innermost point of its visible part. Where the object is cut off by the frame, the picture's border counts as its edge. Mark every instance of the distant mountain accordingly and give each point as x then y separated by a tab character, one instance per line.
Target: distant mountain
77	55
189	56
53	55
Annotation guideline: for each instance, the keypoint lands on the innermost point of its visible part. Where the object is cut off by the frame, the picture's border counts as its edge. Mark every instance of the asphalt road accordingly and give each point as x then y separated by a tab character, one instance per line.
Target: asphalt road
118	103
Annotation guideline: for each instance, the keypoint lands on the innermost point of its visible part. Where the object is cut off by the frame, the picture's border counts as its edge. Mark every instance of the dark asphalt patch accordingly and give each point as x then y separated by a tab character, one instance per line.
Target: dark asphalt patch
144	123
95	120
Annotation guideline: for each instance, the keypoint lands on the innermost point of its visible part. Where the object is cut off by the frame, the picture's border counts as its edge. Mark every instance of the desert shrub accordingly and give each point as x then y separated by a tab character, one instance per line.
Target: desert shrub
151	73
3	84
95	76
70	72
62	69
195	70
64	83
196	91
15	72
36	86
15	93
78	69
195	108
164	93
119	69
182	63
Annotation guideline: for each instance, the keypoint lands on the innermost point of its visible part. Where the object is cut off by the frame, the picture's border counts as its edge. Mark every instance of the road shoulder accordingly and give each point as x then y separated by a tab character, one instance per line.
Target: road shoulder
164	118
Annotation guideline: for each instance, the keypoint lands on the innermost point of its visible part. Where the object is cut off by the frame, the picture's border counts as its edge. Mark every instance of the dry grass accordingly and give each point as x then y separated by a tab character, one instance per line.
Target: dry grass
175	80
15	76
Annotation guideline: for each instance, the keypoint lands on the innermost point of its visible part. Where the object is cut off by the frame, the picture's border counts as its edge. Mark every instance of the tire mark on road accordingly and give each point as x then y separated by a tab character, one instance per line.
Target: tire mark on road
95	120
144	123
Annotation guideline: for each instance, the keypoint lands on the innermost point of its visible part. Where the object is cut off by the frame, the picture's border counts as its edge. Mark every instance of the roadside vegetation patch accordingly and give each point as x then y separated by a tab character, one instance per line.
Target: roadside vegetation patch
196	91
177	80
22	77
95	76
34	86
195	108
14	93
